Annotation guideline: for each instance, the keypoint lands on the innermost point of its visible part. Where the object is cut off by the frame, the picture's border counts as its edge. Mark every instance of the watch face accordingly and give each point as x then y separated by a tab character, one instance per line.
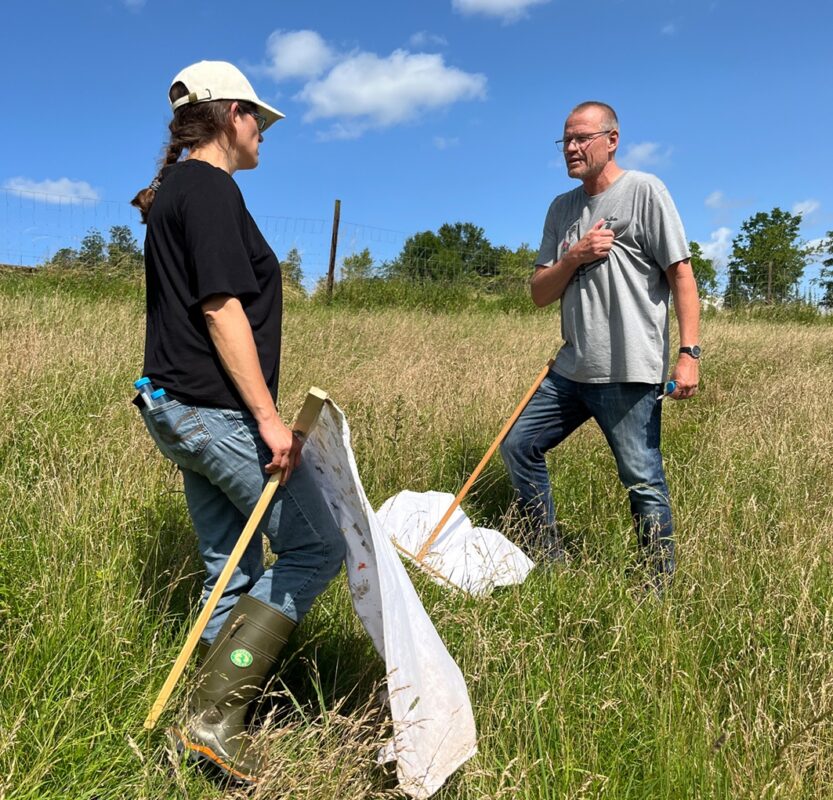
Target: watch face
695	351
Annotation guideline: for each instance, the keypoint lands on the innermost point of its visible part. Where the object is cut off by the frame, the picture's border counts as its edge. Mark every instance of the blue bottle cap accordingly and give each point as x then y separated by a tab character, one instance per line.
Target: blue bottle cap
157	394
141	382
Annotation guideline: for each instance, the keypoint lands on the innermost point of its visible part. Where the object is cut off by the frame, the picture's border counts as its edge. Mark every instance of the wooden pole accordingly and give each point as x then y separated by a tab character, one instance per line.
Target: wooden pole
333	245
435	573
306	420
420	556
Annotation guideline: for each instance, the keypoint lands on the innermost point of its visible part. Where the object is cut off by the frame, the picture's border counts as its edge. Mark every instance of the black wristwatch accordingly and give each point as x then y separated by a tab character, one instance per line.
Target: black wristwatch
693	351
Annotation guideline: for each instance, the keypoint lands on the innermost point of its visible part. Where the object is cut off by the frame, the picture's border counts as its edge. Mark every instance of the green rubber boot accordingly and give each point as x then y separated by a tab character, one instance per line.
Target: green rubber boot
201	651
235	669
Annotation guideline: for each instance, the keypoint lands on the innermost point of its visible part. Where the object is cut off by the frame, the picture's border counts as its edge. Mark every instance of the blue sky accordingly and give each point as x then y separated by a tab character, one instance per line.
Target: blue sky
420	113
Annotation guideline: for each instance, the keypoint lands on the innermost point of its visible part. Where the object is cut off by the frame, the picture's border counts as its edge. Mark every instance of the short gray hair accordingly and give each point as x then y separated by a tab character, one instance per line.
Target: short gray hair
609	118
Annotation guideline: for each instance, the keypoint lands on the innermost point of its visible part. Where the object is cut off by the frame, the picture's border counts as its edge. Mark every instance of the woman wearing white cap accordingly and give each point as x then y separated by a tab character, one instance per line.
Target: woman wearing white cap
213	343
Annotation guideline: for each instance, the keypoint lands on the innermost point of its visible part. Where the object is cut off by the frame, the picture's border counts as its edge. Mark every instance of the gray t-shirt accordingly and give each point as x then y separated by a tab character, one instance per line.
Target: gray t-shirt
614	312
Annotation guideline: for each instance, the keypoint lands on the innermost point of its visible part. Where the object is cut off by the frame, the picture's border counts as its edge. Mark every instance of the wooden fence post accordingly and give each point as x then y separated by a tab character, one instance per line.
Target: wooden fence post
333	245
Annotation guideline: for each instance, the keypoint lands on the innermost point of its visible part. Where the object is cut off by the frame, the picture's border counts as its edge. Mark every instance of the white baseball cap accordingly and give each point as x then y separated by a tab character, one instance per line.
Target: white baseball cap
219	80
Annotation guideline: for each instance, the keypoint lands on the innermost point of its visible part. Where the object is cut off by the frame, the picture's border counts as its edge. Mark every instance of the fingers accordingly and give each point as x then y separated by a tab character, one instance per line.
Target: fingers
684	391
687	376
286	461
293	457
599	233
297	445
284	447
282	466
279	463
595	244
605	245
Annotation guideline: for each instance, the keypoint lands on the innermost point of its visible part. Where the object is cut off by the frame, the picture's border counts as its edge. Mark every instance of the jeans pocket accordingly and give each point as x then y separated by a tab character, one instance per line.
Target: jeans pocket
178	430
245	428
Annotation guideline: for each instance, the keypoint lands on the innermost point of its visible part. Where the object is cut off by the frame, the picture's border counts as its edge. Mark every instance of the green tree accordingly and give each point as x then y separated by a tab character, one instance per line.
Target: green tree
455	252
65	258
469	242
91	253
767	259
826	275
704	272
291	269
515	267
518	263
423	257
123	253
357	266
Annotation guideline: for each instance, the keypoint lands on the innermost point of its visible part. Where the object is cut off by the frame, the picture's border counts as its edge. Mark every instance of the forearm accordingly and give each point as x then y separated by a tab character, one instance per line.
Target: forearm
686	302
687	305
549	283
232	337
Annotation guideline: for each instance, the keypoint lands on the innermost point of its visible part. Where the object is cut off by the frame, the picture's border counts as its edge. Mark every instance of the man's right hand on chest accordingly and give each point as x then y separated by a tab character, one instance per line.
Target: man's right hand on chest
594	245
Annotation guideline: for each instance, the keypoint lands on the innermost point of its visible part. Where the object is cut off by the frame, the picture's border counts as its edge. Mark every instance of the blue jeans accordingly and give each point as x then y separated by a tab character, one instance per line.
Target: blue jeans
221	457
630	418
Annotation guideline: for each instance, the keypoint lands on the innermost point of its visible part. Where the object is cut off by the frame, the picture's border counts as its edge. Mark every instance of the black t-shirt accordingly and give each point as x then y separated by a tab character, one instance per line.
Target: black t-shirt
202	241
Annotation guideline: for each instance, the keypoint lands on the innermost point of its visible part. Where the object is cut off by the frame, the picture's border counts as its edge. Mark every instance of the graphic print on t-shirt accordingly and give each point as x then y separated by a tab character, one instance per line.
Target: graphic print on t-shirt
570	238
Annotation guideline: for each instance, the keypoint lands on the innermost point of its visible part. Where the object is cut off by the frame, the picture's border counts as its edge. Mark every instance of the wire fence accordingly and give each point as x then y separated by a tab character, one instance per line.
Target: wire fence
37	229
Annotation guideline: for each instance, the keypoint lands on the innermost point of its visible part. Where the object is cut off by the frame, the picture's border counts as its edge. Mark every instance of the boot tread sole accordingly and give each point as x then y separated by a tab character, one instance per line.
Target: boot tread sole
201	751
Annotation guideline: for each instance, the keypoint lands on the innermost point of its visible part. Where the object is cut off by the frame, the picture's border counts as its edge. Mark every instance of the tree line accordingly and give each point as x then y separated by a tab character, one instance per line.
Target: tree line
118	254
766	265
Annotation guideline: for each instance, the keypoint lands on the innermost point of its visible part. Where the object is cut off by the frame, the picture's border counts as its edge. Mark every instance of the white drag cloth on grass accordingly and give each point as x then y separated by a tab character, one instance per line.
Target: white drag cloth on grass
475	559
433	723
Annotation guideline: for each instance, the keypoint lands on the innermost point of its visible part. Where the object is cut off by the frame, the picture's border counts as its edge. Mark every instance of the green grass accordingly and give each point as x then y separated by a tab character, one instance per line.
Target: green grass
582	687
433	296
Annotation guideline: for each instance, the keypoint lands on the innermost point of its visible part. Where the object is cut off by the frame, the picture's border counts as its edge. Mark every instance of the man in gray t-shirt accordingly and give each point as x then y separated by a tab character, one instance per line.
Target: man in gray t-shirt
613	250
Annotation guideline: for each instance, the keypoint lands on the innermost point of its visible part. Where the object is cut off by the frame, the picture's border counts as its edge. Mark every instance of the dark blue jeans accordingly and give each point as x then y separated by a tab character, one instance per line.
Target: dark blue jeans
221	457
630	418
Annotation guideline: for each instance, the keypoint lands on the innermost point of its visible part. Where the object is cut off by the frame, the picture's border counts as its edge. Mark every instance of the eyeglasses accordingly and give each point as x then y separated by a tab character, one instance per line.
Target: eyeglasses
581	140
259	119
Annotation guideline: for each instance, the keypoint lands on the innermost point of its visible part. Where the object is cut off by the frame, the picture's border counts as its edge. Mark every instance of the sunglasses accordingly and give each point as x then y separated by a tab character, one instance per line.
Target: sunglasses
259	118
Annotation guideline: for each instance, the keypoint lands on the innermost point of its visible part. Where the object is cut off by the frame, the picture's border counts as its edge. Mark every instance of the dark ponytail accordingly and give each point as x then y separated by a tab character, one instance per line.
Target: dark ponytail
192	126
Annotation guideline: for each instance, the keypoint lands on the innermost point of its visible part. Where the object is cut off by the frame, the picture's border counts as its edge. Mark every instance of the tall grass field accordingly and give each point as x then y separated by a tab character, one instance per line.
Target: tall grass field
582	685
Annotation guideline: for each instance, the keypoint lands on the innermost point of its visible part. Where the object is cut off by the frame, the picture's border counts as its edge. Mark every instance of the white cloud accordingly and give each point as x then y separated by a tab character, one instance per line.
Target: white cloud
342	130
719	245
723	205
425	39
297	54
444	142
374	92
716	200
644	154
49	191
668	30
507	10
806	207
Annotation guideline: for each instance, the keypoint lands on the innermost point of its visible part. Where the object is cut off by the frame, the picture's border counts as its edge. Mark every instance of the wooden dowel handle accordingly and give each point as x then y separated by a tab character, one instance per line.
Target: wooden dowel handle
423	551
